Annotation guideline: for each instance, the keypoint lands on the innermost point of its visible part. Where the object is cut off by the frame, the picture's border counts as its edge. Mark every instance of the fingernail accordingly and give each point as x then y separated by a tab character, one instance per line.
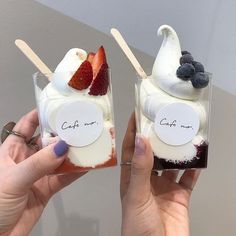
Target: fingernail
140	147
61	148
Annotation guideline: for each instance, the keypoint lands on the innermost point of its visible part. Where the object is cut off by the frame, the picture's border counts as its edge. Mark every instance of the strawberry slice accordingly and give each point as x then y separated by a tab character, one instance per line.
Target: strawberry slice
98	60
101	82
90	57
83	77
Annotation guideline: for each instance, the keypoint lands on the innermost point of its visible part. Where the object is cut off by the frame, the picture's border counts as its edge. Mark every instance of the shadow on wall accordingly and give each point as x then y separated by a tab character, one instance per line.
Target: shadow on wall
73	224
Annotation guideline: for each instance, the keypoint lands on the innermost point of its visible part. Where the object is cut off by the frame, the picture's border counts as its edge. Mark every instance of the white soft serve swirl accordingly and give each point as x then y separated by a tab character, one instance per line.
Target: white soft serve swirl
66	69
166	64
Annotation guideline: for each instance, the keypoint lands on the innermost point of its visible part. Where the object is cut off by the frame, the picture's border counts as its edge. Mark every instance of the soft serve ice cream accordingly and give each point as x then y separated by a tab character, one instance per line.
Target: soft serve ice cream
172	110
76	106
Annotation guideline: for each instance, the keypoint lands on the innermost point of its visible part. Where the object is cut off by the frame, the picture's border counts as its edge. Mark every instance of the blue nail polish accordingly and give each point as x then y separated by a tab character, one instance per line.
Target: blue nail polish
61	148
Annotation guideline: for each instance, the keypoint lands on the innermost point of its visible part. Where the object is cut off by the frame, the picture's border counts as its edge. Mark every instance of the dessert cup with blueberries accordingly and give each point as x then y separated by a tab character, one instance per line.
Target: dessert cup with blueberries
173	107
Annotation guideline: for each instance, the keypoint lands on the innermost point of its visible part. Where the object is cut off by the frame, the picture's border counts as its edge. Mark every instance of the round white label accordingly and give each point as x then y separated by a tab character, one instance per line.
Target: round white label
177	124
79	123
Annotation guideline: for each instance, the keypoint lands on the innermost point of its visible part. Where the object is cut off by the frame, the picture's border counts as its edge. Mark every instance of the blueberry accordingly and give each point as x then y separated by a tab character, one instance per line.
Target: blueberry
200	80
198	66
185	71
185	52
187	58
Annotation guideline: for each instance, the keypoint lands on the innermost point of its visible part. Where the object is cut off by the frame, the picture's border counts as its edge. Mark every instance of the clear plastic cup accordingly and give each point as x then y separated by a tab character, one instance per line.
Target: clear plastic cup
85	122
178	129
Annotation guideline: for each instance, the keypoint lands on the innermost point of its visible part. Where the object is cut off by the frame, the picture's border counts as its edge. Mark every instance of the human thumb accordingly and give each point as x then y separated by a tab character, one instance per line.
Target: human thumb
38	165
141	169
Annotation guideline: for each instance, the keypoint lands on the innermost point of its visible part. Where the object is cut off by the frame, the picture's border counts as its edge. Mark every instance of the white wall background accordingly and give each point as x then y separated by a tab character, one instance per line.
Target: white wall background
206	28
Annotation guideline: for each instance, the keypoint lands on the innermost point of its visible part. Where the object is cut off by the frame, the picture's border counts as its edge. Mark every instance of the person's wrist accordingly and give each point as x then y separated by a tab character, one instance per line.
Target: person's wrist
179	230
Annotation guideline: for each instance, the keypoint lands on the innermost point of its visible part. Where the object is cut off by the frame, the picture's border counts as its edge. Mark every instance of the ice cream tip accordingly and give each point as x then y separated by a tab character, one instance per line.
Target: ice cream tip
175	71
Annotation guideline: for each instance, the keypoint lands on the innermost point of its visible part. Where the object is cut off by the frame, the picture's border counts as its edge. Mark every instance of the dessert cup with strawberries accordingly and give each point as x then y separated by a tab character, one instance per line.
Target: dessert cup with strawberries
75	105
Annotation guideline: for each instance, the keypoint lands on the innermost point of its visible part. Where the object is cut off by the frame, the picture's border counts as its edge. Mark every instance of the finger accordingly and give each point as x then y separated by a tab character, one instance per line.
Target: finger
38	165
170	175
129	139
57	183
141	169
155	176
127	154
189	179
36	140
26	126
35	144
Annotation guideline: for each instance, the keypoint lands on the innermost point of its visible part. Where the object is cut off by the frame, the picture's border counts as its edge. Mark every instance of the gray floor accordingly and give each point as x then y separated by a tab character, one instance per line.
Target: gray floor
91	206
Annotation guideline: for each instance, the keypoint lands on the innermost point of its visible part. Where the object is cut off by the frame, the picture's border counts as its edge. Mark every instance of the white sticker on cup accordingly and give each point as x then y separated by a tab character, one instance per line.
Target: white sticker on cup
79	123
177	124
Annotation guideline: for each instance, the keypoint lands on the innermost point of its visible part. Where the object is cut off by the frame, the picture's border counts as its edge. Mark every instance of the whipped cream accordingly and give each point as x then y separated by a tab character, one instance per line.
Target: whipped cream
153	99
91	155
57	94
51	100
66	68
166	64
162	89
